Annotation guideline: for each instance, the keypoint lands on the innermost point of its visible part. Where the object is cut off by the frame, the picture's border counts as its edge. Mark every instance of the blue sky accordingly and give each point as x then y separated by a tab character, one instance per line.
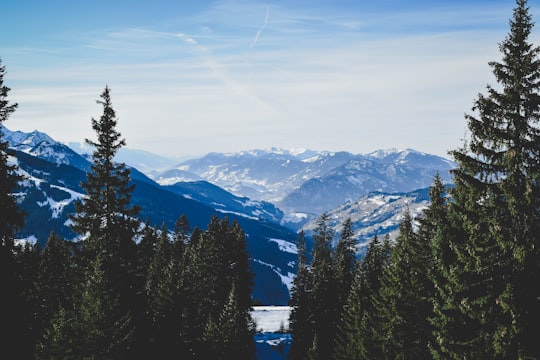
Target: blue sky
191	77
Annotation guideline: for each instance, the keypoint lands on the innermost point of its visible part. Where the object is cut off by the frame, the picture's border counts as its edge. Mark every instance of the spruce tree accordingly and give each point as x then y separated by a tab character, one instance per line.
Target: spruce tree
55	280
107	222
159	293
105	328
105	215
453	331
301	316
345	262
325	312
497	199
407	294
12	216
12	219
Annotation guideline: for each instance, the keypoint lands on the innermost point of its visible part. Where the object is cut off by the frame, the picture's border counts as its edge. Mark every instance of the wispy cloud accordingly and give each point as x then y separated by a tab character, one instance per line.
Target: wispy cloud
258	34
225	78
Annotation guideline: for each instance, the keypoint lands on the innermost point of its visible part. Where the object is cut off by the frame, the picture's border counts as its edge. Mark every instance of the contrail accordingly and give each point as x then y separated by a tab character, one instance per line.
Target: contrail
256	39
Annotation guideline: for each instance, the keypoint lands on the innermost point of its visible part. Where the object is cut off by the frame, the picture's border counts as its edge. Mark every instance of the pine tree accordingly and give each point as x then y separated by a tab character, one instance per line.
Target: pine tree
497	199
234	339
160	298
108	224
105	215
104	327
147	247
28	258
345	263
325	312
362	333
12	219
56	278
407	293
301	316
453	332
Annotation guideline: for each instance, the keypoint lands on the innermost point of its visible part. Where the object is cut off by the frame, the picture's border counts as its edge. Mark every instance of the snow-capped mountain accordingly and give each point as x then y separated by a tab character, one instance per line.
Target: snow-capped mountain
306	183
385	171
258	174
41	145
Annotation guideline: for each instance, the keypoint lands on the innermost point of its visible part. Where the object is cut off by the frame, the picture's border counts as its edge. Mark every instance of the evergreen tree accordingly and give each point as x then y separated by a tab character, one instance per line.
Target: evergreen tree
497	200
12	219
232	337
147	247
56	278
108	224
325	311
214	260
407	294
362	334
453	332
160	297
28	258
301	316
345	263
238	264
105	216
104	328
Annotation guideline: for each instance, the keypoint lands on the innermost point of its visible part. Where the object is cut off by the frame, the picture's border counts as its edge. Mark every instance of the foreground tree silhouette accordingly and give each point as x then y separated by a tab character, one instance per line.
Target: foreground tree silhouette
497	201
12	219
301	317
108	224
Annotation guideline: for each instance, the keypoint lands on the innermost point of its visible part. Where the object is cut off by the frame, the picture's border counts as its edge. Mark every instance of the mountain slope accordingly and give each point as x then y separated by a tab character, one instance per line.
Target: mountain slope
377	213
258	174
390	171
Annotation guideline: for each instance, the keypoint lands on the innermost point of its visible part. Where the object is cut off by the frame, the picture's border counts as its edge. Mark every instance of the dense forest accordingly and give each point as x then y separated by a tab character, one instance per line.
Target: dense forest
460	282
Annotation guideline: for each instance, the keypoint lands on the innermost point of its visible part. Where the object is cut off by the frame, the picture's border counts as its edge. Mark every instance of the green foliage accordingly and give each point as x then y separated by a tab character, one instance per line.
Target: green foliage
319	292
407	294
361	335
105	216
496	199
301	316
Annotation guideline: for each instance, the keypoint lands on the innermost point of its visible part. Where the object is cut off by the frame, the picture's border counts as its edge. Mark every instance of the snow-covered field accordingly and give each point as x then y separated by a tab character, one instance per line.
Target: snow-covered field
270	319
271	343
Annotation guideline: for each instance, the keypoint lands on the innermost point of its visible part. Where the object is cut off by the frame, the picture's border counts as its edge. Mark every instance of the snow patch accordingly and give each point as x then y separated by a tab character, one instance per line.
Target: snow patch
271	318
285	246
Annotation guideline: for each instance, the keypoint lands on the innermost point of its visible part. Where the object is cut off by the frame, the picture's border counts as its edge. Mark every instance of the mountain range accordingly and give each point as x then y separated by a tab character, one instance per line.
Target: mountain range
304	184
272	193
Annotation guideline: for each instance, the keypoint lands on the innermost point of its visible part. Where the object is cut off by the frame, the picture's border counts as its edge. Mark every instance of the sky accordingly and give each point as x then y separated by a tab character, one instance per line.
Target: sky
192	77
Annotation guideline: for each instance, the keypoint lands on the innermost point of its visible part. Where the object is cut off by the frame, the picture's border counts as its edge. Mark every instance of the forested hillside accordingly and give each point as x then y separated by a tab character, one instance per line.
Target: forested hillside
464	283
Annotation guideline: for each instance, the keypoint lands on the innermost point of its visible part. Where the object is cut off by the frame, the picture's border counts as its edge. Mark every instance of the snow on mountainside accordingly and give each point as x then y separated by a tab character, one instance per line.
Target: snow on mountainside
306	183
377	213
258	174
41	145
390	171
225	202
